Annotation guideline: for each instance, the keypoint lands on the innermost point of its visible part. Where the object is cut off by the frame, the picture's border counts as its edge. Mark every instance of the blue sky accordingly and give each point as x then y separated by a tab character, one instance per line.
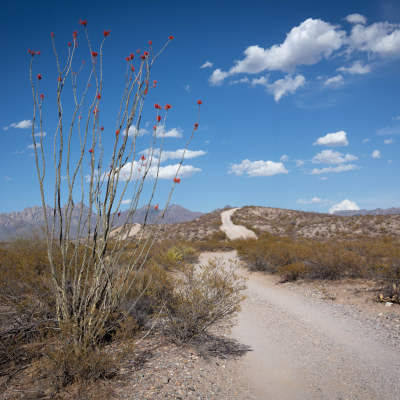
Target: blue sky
300	105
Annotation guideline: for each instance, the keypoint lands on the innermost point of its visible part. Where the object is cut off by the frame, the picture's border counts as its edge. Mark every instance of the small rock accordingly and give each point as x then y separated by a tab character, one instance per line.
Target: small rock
316	343
191	388
388	304
165	380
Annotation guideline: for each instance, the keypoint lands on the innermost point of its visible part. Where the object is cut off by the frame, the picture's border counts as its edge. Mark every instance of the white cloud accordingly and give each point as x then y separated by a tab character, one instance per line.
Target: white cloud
356	68
63	177
389	131
336	81
331	157
284	158
126	201
376	154
217	77
388	141
18	152
7	178
305	44
333	139
366	140
390	161
207	64
174	132
32	146
299	163
26	123
344	205
356	19
243	80
207	141
6	128
282	86
257	168
166	155
39	134
382	38
322	178
312	201
187	88
340	168
394	119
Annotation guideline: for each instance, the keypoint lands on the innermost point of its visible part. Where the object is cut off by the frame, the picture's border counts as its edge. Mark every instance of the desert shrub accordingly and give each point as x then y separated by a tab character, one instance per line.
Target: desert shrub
219	235
201	299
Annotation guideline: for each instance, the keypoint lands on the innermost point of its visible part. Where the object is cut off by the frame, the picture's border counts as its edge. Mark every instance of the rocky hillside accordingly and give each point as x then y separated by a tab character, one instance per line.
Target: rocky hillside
31	217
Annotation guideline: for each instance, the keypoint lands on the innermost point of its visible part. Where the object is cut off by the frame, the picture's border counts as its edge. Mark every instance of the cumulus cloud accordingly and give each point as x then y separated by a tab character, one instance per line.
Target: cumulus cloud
167	155
7	178
381	38
336	81
394	119
207	64
340	168
6	128
18	152
26	123
187	88
40	134
312	201
128	201
388	141
282	86
243	80
299	163
356	19
167	172
333	139
257	168
390	161
356	68
366	140
284	158
376	154
305	44
32	146
344	205
331	157
322	178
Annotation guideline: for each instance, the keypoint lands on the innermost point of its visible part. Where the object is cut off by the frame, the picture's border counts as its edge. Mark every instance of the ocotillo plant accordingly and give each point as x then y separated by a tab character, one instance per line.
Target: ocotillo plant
88	284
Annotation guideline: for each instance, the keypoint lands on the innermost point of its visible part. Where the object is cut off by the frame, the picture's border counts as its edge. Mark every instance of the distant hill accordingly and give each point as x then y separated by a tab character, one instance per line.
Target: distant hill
378	211
30	217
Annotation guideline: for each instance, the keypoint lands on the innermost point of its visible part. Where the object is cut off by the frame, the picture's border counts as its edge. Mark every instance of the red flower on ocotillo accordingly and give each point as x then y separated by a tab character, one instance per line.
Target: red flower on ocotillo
138	51
146	53
199	102
139	169
156	207
196	125
91	151
132	68
171	38
176	180
157	106
150	42
52	34
83	23
39	53
142	57
159	118
143	158
117	132
69	44
59	79
106	33
132	56
168	106
119	214
154	127
98	96
74	34
39	76
102	128
127	58
155	82
42	96
94	54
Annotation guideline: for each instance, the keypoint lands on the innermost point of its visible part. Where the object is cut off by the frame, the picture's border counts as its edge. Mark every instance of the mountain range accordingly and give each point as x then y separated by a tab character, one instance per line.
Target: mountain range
377	211
23	221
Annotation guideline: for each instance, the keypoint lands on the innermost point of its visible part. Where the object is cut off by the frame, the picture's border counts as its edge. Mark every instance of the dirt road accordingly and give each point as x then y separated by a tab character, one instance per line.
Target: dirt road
231	230
307	349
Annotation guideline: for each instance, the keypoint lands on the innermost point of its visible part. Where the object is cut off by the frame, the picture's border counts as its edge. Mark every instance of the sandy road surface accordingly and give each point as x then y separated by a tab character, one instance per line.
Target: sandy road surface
234	231
303	349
